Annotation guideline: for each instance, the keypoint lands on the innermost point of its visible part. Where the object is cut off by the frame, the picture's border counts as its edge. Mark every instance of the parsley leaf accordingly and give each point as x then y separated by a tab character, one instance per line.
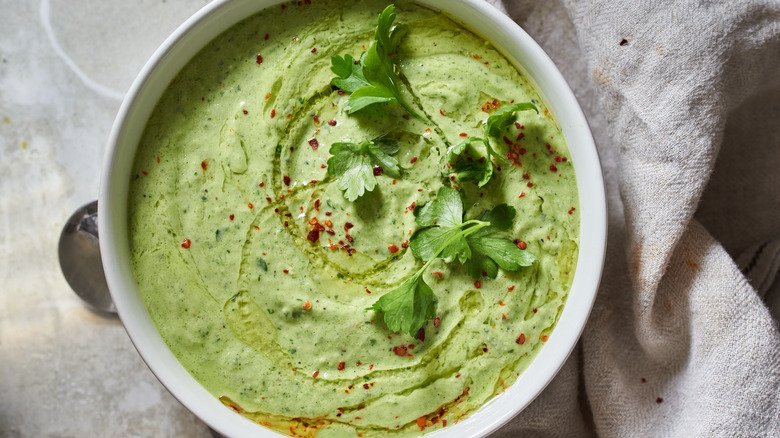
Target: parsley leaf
353	165
373	79
489	252
446	235
467	163
349	73
407	307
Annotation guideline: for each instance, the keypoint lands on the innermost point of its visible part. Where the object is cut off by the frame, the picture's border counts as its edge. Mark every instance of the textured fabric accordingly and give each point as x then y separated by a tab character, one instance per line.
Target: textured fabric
684	101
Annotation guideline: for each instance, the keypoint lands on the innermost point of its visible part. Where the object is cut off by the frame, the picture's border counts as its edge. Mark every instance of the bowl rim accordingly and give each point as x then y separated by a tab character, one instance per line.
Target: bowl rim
478	16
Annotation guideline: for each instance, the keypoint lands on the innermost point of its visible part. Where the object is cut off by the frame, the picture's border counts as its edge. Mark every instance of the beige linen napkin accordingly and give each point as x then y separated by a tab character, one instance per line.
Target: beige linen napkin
684	101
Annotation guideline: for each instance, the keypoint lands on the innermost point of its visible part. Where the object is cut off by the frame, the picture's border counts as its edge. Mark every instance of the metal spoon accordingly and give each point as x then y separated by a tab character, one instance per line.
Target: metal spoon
80	259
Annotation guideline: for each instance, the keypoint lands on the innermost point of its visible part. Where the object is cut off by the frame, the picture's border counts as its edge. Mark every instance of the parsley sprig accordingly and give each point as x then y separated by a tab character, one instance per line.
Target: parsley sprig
467	163
353	165
445	235
373	79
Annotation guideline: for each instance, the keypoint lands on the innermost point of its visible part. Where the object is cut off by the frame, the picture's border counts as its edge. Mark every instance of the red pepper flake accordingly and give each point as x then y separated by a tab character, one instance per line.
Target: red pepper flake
266	37
368	292
659	400
286	224
420	335
268	198
371	367
328	213
522	245
511	288
341	366
315	118
503	316
365	386
484	349
349	238
530	184
186	243
644	380
520	339
286	180
544	338
250	206
623	42
522	195
332	122
273	113
438	274
477	284
421	422
232	216
571	210
259	59
158	160
393	249
358	363
501	303
341	92
204	165
284	6
405	244
378	170
463	134
399	350
288	116
286	271
442	113
328	223
535	310
313	236
314	143
262	184
436	322
256	227
413	160
314	50
553	168
412	206
317	203
315	374
145	172
457	376
246	112
323	166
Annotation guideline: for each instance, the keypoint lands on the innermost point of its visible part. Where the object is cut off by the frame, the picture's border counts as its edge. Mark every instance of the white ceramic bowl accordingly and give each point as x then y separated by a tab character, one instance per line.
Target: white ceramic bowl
198	31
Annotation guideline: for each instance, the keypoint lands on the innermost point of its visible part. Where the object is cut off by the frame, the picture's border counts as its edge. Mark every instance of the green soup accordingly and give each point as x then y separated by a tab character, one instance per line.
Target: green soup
231	173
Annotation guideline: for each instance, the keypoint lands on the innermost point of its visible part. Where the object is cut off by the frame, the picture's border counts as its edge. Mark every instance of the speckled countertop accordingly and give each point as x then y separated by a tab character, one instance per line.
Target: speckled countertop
64	67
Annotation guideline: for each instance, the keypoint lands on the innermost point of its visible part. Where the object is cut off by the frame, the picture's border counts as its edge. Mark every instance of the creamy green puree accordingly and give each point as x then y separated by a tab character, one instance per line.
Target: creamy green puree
231	172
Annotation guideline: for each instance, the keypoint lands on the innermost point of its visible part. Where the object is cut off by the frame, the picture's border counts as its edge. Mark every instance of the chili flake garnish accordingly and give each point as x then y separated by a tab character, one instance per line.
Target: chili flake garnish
314	143
436	322
315	374
186	243
341	366
259	59
250	206
392	248
520	339
477	284
204	165
399	350
413	160
273	113
348	226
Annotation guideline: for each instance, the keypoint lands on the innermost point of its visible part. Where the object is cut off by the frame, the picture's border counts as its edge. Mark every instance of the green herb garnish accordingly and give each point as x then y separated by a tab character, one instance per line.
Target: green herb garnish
353	165
446	235
467	163
373	79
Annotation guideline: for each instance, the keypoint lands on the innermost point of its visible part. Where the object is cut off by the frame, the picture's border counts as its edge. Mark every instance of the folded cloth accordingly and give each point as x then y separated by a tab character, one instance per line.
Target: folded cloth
684	101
